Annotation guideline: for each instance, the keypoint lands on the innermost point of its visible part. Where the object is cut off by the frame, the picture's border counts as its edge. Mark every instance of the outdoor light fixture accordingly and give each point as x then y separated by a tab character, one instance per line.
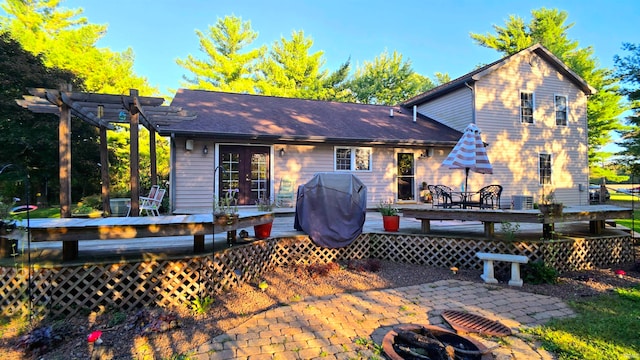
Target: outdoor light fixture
281	152
205	150
100	111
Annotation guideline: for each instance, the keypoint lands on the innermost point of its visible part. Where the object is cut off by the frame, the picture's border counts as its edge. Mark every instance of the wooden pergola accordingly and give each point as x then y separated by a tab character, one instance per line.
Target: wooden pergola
101	110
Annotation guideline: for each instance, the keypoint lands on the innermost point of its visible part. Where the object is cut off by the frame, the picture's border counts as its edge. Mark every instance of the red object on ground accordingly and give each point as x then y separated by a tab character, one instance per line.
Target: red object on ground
94	336
620	272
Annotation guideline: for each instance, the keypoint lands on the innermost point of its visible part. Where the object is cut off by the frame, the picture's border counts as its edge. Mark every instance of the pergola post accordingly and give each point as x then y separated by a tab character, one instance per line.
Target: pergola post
104	171
64	155
134	155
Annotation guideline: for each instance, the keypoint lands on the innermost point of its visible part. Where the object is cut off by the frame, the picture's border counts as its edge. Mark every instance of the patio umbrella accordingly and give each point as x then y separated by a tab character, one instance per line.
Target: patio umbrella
469	154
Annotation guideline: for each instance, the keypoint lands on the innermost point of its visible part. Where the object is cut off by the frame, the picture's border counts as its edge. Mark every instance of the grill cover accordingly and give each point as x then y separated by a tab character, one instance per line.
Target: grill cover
331	208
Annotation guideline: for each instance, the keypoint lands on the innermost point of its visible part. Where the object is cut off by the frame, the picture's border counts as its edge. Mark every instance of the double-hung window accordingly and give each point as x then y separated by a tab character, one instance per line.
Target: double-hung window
544	166
526	107
352	158
561	110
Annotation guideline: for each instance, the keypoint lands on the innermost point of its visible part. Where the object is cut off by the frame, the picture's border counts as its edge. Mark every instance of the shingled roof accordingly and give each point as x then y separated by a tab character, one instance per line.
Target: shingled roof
477	74
270	119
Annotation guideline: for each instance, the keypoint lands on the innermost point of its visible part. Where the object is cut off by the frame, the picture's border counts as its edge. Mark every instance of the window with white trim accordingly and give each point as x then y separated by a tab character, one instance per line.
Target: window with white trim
352	158
526	107
544	167
561	109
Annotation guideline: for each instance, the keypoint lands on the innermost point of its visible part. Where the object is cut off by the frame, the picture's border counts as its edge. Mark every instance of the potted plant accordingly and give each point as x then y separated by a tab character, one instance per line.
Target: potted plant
549	206
390	217
225	210
263	231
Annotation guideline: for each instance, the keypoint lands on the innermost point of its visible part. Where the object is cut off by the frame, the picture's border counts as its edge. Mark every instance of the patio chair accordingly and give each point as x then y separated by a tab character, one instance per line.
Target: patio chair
152	194
442	196
285	195
150	205
490	196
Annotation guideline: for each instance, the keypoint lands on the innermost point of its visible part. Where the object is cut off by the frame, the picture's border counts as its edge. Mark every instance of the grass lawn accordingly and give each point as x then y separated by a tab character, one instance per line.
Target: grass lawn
606	327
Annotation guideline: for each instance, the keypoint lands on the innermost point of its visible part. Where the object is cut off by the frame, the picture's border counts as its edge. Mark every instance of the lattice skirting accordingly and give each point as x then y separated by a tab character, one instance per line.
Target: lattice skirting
68	290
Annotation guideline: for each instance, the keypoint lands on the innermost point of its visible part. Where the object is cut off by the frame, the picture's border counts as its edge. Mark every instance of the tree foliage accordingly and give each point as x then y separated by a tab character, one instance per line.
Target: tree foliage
387	80
30	140
548	28
227	67
290	70
628	71
66	41
45	46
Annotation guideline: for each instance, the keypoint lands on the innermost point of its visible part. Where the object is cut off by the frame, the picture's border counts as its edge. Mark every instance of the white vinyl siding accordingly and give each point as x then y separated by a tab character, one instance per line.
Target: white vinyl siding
454	109
514	149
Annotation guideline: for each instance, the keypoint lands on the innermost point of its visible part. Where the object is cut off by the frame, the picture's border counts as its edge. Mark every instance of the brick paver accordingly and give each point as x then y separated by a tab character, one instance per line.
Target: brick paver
347	326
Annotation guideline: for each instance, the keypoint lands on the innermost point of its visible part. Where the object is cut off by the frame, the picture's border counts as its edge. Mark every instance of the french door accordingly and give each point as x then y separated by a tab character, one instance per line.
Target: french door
246	168
406	176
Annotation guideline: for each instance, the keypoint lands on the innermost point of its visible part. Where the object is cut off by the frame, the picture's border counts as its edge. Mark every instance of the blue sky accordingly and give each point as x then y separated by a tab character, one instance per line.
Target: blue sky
434	35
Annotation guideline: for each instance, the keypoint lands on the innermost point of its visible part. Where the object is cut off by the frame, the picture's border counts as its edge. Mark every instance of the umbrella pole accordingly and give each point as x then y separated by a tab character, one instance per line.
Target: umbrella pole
466	179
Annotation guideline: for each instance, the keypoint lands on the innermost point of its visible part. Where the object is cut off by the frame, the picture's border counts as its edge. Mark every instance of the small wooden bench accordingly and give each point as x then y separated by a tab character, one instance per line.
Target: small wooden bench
515	260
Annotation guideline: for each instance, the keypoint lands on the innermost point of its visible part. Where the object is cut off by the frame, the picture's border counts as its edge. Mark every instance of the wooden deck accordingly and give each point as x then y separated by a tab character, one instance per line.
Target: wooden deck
596	215
70	230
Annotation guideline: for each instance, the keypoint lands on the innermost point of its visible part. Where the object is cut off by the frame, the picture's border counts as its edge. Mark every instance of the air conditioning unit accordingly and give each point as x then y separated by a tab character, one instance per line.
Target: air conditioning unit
521	202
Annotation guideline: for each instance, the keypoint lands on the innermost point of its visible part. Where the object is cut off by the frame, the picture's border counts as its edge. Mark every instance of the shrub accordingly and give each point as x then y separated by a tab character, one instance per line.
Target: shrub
540	273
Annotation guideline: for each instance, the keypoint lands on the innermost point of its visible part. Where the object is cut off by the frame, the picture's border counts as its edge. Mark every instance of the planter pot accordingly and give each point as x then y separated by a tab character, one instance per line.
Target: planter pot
263	231
226	219
551	209
391	222
119	206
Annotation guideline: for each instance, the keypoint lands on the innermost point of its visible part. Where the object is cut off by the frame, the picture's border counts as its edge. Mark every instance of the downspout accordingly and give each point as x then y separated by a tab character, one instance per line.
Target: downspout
473	103
172	173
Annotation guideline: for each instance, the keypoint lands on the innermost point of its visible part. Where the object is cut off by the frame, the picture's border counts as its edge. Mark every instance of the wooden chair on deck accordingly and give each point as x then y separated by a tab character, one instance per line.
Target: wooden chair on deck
150	204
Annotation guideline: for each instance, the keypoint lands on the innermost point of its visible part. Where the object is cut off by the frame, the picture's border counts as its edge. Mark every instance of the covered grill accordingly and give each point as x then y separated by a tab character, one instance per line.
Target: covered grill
331	209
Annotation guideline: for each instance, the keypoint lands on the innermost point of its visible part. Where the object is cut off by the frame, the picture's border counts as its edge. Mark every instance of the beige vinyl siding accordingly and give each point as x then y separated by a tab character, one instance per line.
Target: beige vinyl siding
454	109
193	176
514	146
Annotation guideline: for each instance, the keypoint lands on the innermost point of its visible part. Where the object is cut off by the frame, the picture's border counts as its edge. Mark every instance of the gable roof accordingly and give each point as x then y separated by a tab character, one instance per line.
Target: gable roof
477	74
266	118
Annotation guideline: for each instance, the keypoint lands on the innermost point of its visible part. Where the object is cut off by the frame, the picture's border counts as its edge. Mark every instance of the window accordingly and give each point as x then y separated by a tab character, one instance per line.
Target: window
526	107
545	169
561	110
353	159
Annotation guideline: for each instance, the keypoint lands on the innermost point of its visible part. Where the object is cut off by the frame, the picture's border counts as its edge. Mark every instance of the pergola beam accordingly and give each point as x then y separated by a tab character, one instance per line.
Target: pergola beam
85	106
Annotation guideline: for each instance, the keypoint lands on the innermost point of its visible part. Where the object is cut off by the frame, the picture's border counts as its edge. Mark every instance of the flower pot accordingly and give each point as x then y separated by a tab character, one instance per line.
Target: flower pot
391	222
554	209
263	231
226	219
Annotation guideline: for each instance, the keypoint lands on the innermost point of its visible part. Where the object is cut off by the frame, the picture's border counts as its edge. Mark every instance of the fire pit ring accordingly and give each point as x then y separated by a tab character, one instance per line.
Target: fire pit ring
443	335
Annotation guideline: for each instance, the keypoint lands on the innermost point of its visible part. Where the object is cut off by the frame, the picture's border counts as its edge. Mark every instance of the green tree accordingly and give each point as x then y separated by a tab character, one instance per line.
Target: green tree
628	71
548	28
227	67
387	80
30	140
290	70
66	41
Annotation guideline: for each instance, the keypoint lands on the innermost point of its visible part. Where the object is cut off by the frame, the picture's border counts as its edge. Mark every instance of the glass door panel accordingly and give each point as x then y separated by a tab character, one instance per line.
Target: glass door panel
406	177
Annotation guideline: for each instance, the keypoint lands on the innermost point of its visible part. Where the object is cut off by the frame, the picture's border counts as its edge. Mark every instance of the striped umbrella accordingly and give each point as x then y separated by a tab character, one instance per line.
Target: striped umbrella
469	154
